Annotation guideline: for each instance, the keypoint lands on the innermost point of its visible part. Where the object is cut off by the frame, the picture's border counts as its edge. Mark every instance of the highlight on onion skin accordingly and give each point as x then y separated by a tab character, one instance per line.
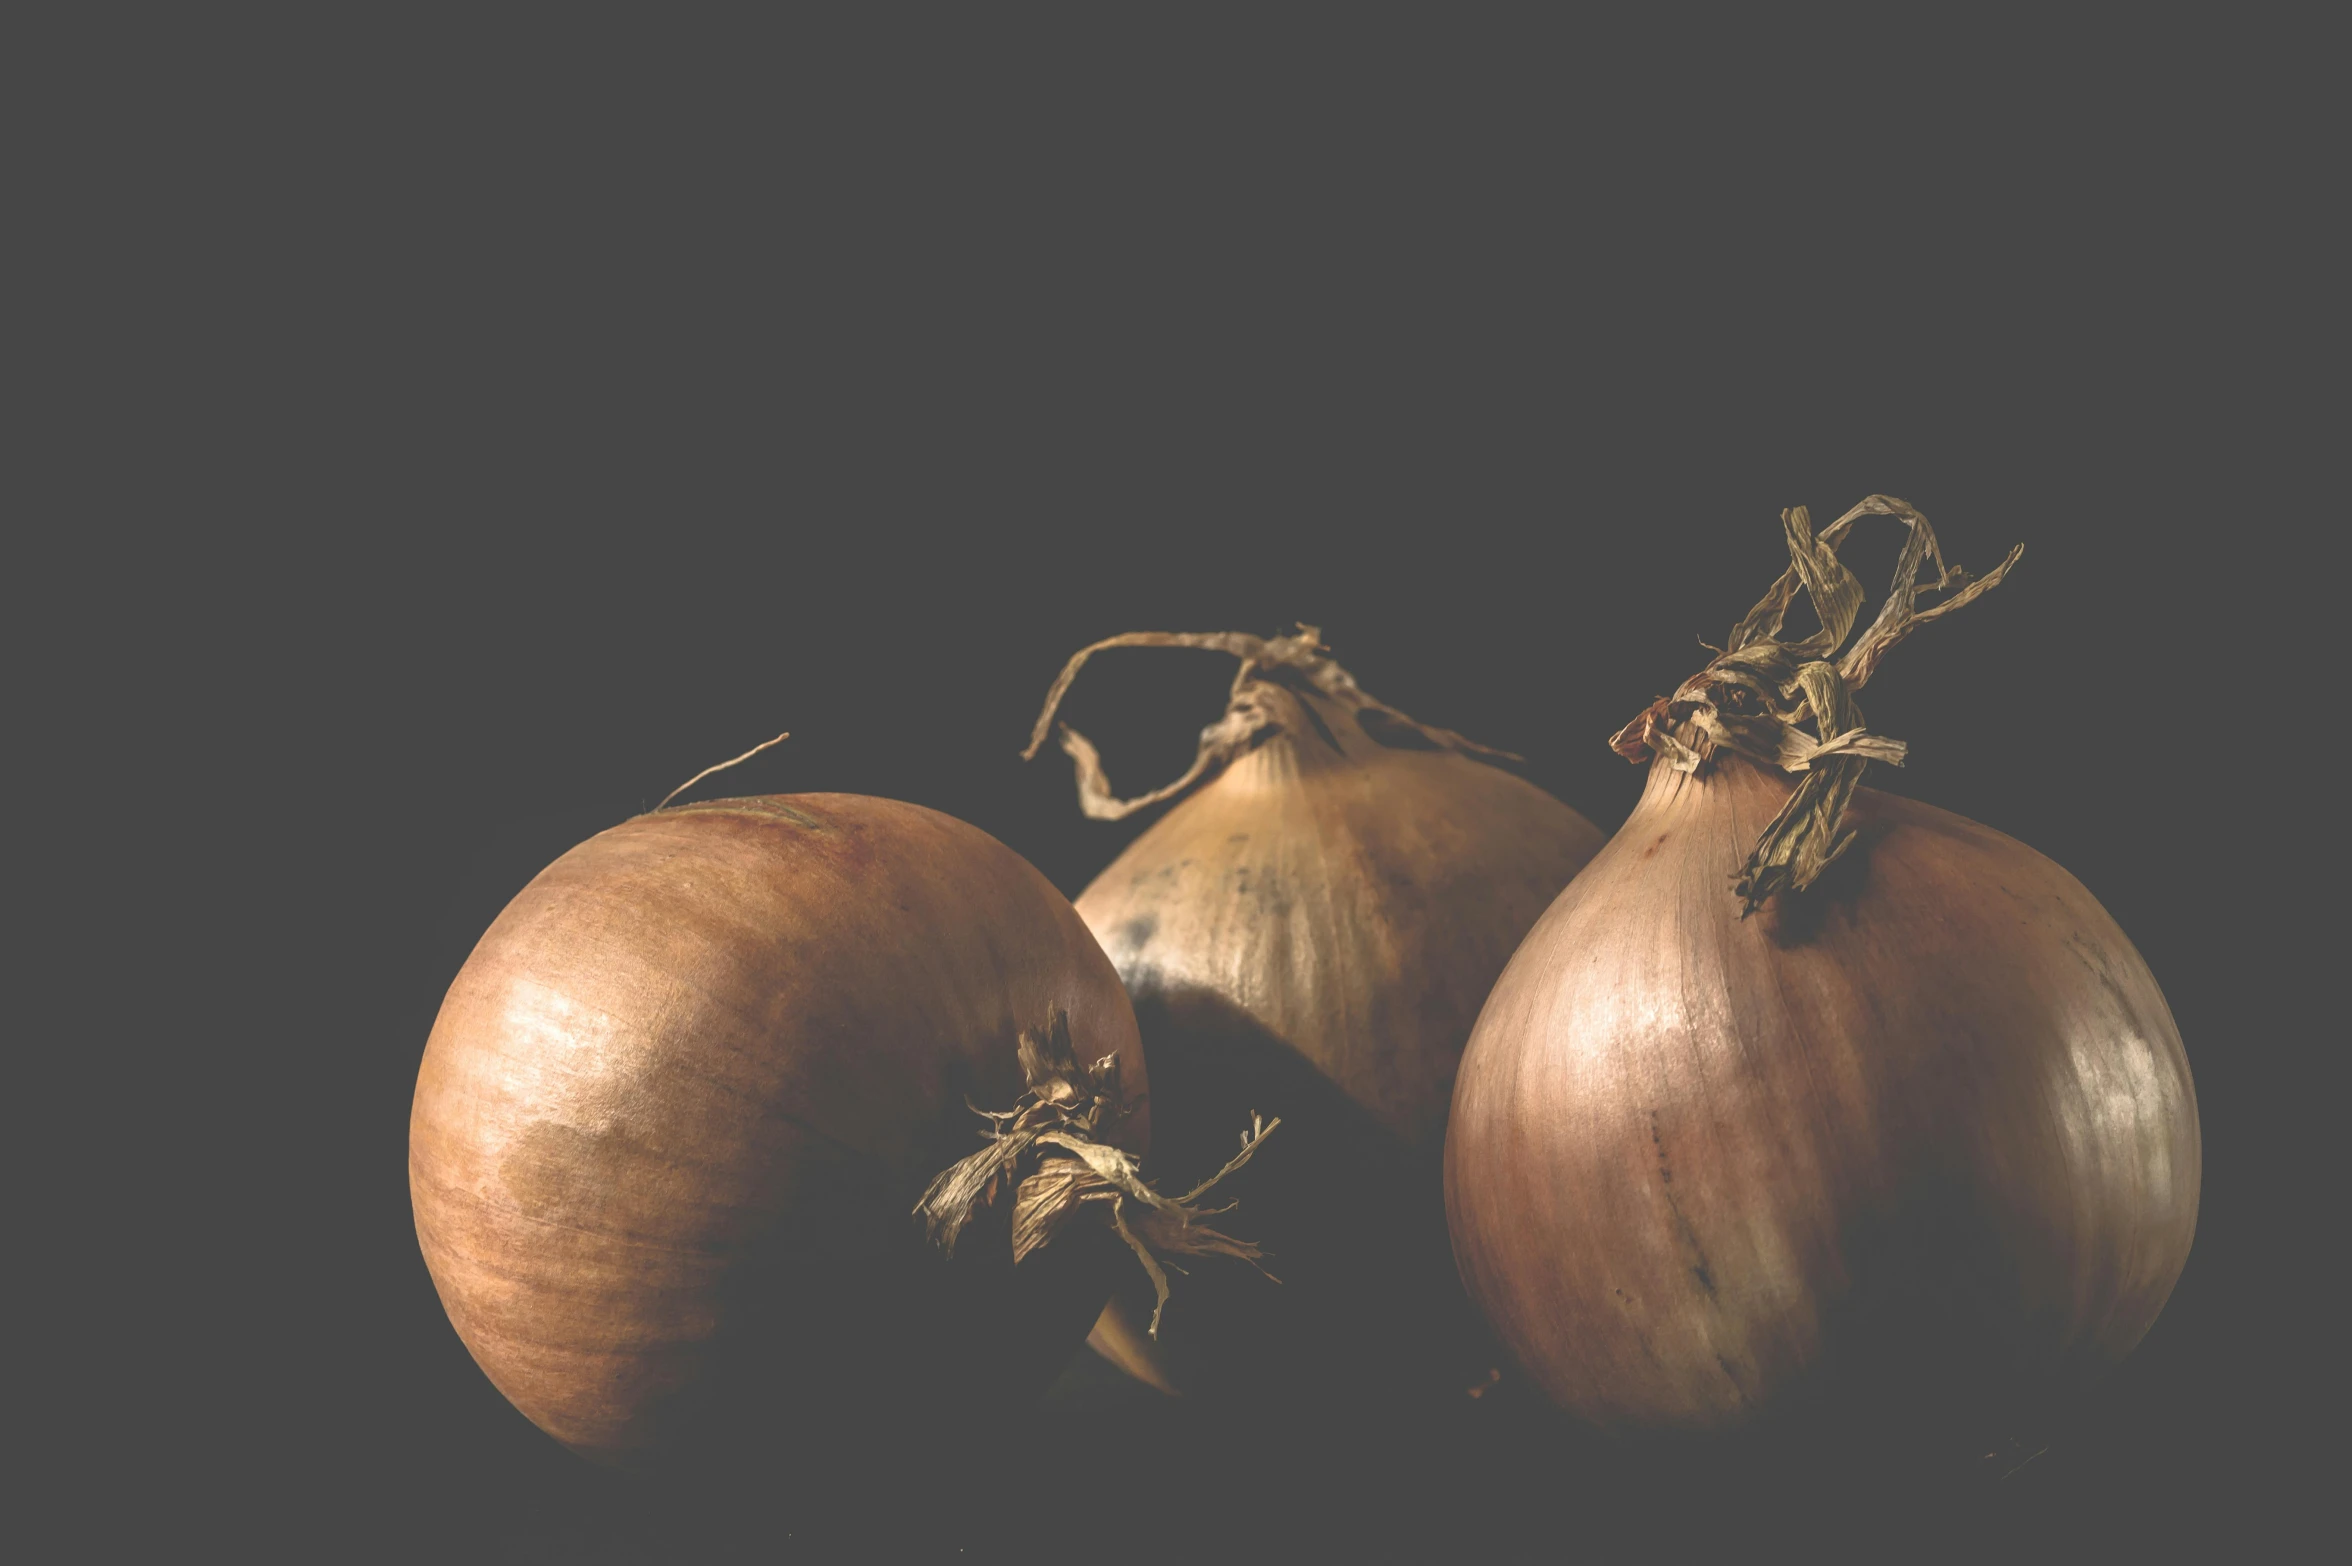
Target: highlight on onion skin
1308	934
680	1102
1913	1150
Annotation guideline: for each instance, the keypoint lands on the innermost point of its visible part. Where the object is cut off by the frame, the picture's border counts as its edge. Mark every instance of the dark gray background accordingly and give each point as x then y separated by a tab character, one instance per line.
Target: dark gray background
506	423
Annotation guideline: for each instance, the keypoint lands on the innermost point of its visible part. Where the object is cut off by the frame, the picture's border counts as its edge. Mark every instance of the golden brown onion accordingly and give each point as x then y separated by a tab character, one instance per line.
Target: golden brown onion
1309	934
681	1100
1916	1143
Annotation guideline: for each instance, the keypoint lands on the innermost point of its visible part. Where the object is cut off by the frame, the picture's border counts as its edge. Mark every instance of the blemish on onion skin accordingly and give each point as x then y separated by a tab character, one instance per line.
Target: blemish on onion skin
1700	1269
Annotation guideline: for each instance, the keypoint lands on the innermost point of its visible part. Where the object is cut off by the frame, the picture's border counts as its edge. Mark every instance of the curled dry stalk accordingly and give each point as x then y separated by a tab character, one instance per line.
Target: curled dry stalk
1052	1132
1298	661
720	767
1756	694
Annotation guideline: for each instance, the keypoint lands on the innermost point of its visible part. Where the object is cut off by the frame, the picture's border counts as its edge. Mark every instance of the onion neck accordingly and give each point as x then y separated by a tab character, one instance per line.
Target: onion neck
1050	1152
1288	687
1787	703
1725	773
1726	784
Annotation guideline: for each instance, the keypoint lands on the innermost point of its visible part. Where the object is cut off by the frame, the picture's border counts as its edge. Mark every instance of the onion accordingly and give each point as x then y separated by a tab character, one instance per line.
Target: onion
1916	1143
682	1098
1310	934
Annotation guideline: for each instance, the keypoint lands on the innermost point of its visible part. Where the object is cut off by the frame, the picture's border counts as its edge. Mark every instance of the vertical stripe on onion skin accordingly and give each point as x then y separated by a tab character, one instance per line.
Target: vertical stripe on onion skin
1309	933
680	1101
1913	1148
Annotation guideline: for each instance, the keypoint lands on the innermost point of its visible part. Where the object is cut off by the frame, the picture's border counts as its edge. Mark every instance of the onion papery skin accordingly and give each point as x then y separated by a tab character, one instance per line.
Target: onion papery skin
1309	936
1914	1151
680	1100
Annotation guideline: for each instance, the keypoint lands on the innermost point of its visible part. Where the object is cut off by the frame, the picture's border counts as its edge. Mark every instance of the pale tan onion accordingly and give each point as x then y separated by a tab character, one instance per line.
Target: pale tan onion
1309	934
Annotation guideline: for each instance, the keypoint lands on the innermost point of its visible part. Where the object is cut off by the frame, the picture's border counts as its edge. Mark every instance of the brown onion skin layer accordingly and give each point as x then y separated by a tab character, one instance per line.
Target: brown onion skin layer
679	1103
1310	936
1916	1146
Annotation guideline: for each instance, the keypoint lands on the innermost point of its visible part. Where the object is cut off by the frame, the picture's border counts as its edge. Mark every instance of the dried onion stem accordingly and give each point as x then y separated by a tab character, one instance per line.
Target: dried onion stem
1299	659
1052	1131
1757	691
